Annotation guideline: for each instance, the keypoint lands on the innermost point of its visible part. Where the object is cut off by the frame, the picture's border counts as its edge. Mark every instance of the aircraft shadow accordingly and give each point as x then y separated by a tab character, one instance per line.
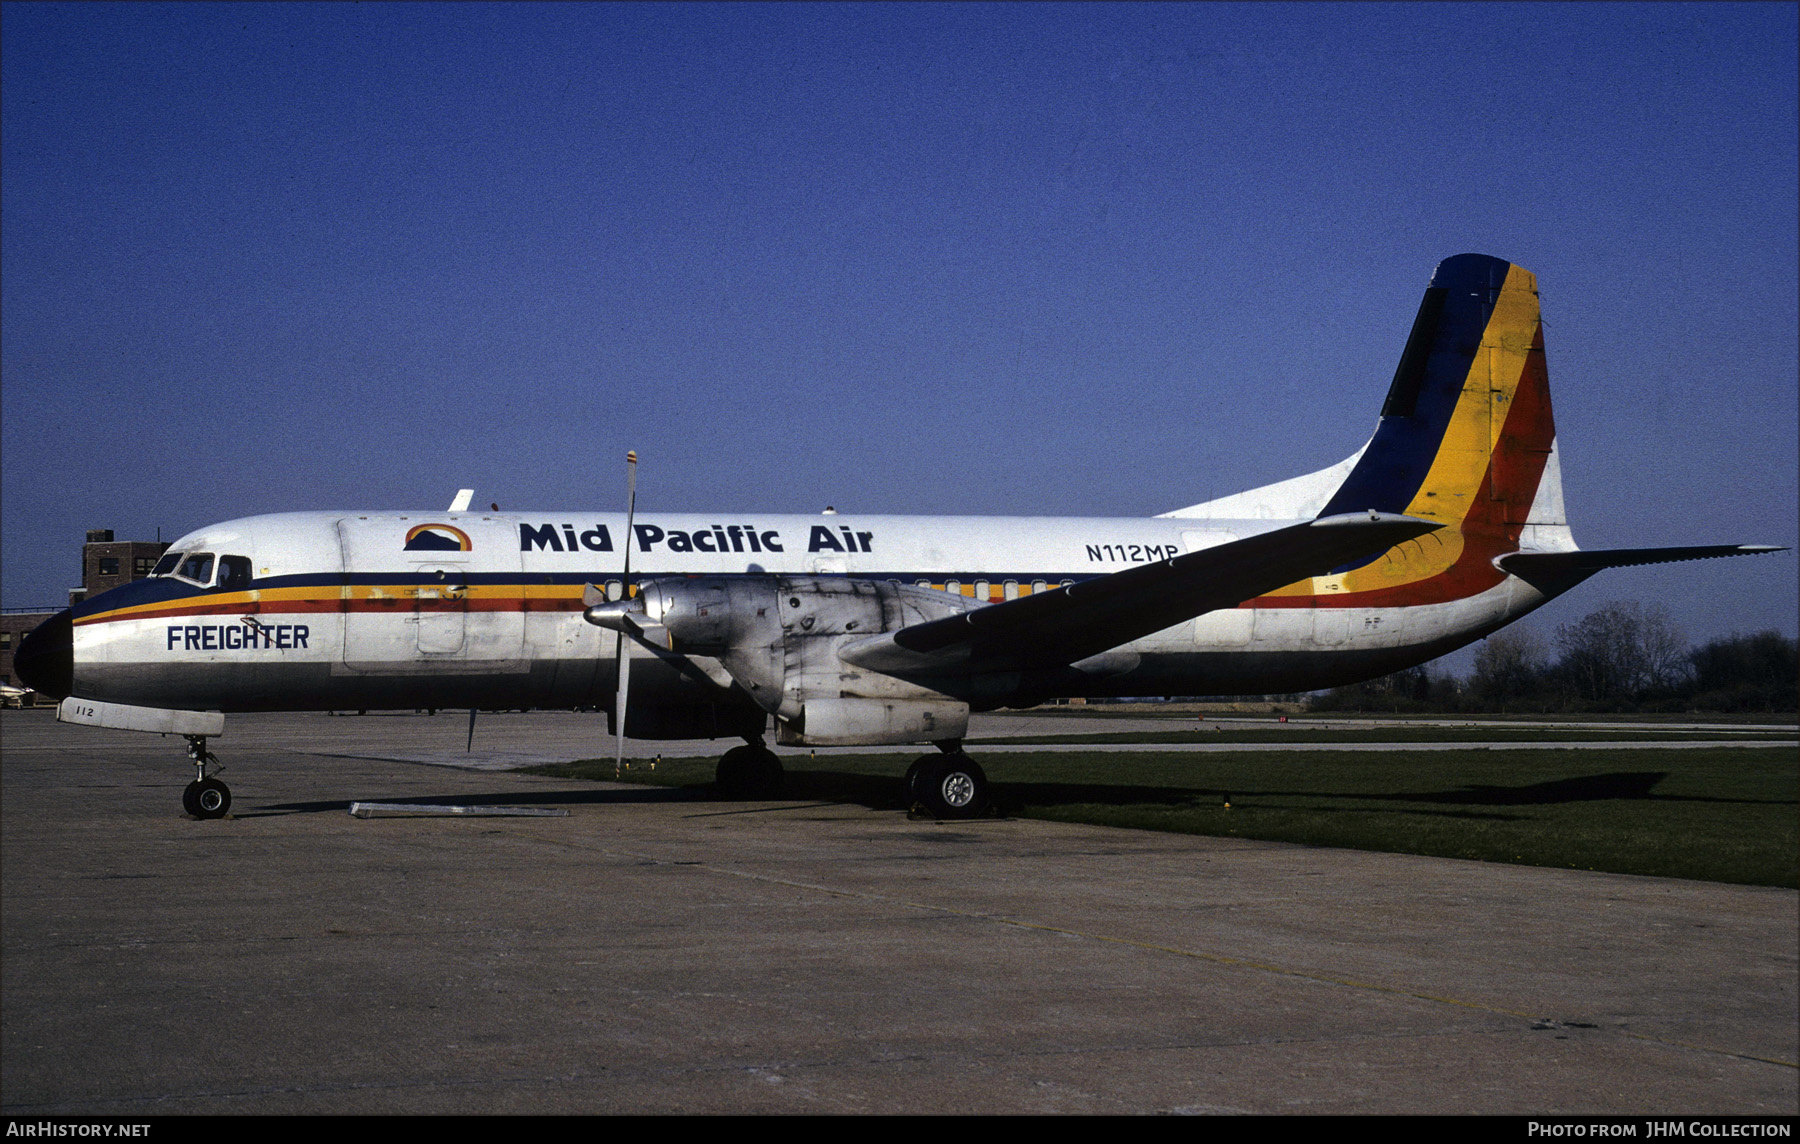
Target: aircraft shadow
881	793
551	798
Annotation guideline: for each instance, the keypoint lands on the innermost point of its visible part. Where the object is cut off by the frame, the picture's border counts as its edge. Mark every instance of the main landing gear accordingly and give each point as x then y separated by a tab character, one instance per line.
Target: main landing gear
950	785
205	797
750	772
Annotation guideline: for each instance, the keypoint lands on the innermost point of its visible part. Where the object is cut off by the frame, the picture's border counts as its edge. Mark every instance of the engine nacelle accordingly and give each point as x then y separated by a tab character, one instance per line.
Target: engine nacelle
777	638
858	722
706	615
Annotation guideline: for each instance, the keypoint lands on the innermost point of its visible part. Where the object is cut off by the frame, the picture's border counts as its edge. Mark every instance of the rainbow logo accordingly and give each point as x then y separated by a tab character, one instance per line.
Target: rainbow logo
436	538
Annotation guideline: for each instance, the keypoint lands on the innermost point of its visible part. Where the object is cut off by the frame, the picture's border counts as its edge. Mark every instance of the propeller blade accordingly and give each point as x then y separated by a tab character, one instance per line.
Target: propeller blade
620	650
619	705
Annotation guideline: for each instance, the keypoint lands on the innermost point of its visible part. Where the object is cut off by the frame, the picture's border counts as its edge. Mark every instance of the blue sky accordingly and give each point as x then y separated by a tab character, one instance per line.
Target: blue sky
1068	258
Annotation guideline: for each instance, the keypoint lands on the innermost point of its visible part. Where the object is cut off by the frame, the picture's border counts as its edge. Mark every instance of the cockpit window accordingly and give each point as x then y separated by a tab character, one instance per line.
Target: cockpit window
167	564
234	572
197	568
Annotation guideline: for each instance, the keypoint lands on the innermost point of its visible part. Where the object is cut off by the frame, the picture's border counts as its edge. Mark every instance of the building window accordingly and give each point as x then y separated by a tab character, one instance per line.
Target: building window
5	641
109	566
141	565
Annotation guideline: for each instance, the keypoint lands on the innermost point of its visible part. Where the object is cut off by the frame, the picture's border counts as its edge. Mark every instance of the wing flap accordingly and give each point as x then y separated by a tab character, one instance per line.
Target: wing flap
1053	629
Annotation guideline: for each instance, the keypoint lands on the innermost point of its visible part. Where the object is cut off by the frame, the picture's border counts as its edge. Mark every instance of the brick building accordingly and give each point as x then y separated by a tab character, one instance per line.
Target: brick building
105	563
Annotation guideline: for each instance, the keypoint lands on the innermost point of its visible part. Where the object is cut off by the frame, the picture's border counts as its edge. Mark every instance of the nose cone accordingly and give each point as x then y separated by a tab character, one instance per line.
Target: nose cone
45	659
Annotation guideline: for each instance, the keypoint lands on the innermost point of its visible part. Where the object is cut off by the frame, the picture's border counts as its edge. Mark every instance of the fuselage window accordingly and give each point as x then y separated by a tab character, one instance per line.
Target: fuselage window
981	591
197	569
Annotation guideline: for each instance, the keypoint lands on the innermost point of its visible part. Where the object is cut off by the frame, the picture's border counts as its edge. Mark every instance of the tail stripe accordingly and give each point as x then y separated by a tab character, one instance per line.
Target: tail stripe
1465	436
1403	394
1485	396
1397	462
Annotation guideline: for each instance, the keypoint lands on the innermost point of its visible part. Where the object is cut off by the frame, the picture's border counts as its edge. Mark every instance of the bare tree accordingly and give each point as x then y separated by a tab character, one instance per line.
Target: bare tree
1758	672
1665	649
1622	651
1509	666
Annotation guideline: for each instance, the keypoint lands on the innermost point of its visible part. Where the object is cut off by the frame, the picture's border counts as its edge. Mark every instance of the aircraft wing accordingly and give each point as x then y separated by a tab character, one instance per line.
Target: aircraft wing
1053	629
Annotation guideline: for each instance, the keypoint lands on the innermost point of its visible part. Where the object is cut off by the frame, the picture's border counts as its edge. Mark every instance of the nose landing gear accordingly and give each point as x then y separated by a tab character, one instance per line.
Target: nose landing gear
205	797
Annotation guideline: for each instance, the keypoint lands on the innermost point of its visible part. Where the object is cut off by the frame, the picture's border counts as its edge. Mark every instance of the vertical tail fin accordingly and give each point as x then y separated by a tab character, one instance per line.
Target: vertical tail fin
1466	439
1466	434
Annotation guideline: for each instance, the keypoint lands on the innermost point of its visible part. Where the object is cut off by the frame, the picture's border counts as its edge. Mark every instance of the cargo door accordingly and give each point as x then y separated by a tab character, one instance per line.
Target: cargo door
444	592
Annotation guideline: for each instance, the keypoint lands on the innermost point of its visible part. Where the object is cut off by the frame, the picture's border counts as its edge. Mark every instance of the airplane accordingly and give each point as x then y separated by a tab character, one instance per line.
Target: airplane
11	696
850	629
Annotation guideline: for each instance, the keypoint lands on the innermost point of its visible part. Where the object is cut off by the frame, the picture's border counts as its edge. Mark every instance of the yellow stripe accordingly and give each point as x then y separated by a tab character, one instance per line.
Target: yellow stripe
1456	472
235	598
1461	464
554	591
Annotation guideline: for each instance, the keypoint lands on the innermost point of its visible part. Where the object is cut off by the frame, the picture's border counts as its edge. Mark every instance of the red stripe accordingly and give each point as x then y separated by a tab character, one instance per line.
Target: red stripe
1493	524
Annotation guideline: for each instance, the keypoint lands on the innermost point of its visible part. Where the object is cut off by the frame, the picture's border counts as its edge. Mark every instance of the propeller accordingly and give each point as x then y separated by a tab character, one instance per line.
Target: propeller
621	650
626	616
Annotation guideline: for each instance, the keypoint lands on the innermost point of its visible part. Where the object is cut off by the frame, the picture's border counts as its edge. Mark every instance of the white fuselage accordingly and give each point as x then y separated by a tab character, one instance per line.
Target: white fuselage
341	613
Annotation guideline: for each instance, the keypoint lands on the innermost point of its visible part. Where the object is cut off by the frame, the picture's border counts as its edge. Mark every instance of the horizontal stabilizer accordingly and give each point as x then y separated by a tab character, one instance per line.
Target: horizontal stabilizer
1527	565
1054	629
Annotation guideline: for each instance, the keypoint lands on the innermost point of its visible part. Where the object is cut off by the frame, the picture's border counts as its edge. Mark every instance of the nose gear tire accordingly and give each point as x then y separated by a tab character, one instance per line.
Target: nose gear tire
206	798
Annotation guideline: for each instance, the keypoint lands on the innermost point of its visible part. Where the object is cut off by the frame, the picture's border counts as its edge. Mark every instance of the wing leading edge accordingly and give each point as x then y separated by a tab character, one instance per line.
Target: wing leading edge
1054	629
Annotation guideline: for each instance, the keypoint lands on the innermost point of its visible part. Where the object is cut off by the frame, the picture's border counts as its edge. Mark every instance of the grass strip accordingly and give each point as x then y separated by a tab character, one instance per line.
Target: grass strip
1724	815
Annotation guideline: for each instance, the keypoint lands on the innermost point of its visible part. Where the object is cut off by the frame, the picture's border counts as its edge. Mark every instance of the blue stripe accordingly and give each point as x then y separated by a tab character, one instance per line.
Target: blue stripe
156	590
1418	412
578	579
160	590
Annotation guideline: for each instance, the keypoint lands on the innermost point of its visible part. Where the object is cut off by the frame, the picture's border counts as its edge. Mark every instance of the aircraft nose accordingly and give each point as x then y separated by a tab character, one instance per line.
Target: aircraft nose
45	659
